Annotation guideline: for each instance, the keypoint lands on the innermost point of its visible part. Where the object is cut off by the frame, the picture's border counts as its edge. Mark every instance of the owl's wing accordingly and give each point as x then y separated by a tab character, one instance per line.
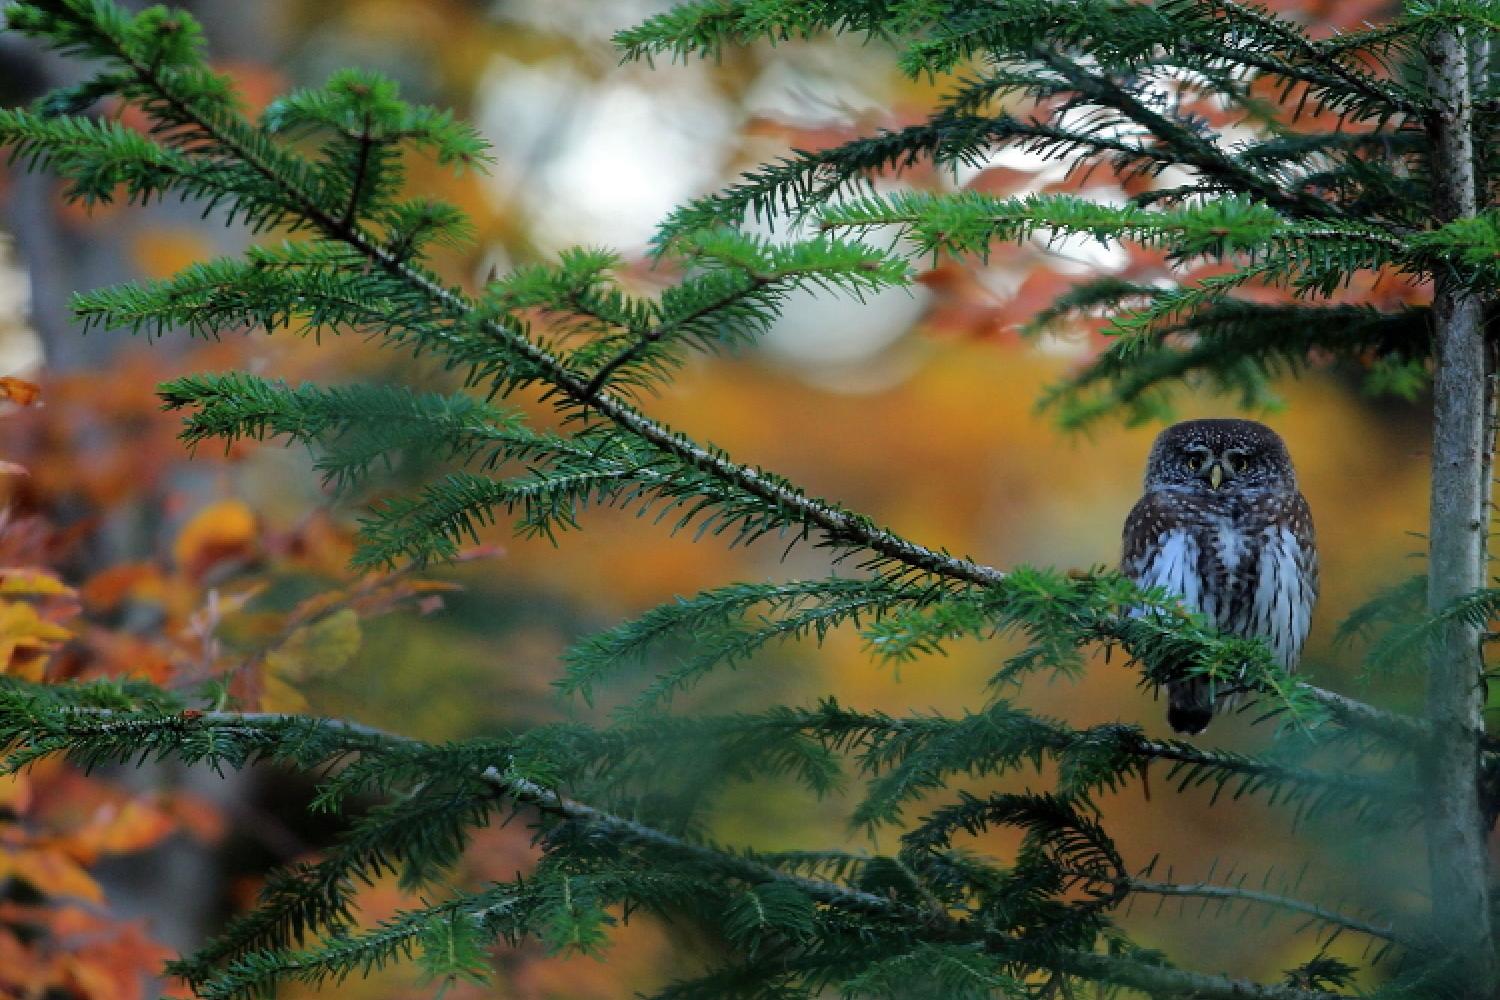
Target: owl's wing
1161	550
1288	585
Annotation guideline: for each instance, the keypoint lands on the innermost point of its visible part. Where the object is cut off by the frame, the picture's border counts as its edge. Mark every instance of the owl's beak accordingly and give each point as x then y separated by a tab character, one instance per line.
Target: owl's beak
1216	476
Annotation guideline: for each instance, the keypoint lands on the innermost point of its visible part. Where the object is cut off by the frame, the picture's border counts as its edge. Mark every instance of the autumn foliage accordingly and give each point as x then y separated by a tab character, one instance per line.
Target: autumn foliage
203	614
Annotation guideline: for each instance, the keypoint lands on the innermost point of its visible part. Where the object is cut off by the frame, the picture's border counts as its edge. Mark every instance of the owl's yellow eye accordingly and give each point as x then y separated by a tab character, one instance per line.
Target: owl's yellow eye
1234	461
1198	457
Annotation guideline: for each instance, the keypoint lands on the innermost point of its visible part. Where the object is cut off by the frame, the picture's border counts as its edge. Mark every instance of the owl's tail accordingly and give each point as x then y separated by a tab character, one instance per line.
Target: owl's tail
1190	705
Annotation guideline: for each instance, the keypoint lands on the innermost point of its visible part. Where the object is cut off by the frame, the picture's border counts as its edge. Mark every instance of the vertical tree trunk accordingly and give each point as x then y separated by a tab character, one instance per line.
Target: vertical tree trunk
1457	559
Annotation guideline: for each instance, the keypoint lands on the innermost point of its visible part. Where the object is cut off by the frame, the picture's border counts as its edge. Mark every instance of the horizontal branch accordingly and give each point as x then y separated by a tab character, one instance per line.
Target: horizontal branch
1128	741
1155	979
1372	88
1234	893
1357	715
1160	981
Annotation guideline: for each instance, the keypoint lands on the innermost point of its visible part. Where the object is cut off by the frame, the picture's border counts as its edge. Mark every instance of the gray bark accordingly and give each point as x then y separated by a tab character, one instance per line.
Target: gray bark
1455	694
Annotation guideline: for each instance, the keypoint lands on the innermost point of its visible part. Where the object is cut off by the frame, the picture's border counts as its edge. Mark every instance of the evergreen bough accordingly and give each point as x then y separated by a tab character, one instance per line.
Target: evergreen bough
1395	173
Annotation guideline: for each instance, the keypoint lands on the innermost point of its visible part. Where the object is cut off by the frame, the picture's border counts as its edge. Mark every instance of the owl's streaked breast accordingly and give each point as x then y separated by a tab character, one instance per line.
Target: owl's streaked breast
1241	564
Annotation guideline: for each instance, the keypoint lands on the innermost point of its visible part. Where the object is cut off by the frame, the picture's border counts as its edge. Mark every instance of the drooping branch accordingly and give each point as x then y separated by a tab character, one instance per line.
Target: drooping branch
837	523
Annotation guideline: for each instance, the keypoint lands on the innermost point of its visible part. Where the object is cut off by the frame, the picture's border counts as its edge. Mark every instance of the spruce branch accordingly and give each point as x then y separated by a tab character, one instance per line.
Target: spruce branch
1392	727
1191	148
1239	893
1235	346
1324	57
213	728
970	221
840	526
955	135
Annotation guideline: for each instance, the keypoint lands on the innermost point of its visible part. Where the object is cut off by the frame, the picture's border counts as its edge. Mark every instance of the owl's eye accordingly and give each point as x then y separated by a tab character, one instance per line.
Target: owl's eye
1197	456
1235	460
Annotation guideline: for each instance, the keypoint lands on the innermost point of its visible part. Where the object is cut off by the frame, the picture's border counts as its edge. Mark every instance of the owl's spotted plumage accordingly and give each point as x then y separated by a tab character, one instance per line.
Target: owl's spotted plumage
1223	525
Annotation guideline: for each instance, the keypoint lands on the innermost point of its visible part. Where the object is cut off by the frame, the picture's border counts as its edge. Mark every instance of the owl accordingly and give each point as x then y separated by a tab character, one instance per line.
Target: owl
1223	525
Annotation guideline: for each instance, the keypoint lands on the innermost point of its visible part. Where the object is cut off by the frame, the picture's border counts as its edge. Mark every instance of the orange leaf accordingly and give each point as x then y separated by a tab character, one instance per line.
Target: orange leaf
73	921
223	530
117	829
92	980
21	969
51	873
199	817
115	968
121	654
15	793
26	639
107	588
19	391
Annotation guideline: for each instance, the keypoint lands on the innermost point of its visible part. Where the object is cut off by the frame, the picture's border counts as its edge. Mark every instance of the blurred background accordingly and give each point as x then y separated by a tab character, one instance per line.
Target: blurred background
918	409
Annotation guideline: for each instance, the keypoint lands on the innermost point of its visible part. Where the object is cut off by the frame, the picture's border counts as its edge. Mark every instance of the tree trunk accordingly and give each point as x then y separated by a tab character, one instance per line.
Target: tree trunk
1457	560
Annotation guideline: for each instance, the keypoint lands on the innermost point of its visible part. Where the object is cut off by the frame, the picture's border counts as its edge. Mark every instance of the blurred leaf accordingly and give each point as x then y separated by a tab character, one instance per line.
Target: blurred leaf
322	647
221	531
26	639
19	391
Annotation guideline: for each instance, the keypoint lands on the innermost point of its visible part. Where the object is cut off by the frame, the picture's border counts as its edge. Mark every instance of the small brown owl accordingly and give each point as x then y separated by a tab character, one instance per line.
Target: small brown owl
1223	525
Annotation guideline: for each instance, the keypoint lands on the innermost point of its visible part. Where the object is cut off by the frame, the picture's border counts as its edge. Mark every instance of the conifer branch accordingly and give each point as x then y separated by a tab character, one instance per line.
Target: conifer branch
1357	715
1192	149
1156	980
1238	893
357	183
840	526
262	727
1324	55
804	179
642	340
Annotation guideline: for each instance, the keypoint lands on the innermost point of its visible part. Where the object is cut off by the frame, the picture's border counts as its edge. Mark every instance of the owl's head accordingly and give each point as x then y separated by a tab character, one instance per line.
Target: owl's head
1220	456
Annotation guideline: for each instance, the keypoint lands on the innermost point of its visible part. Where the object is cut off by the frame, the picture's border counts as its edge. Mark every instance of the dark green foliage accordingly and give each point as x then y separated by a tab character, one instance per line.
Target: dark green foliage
1294	207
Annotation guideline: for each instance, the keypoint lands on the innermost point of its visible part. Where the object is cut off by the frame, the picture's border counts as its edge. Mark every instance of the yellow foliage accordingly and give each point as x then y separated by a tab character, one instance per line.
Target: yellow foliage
161	252
29	581
26	638
322	647
117	828
52	873
222	530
